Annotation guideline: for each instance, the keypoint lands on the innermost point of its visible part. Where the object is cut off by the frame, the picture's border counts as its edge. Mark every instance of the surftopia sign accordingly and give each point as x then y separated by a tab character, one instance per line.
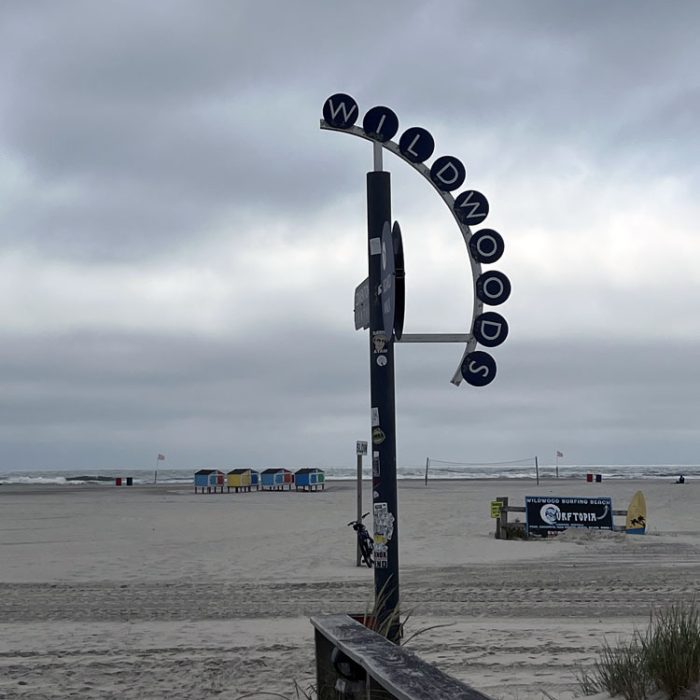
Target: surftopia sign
447	174
545	514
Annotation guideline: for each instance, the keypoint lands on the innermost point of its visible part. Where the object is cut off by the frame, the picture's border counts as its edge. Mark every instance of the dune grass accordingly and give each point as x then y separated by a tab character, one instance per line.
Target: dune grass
665	657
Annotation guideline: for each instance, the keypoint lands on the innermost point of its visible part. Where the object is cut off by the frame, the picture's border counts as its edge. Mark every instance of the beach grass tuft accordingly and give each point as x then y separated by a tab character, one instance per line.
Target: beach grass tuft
665	657
672	651
620	670
393	620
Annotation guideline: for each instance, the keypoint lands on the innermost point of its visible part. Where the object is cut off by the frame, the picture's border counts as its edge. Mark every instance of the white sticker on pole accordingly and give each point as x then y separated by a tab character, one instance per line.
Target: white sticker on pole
375	246
375	416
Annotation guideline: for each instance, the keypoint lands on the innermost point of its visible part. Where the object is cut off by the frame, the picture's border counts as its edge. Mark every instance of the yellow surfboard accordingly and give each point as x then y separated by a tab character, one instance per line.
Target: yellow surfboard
636	523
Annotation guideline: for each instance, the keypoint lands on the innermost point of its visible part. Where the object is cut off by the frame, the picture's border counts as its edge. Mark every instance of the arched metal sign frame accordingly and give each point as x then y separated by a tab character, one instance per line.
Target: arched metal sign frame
465	230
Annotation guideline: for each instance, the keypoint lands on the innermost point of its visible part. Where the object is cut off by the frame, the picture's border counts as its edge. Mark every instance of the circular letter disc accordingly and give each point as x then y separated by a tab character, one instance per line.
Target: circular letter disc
340	111
479	368
380	124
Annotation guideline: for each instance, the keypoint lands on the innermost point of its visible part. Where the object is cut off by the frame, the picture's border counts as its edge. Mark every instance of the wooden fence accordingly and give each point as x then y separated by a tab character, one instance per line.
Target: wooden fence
353	662
516	530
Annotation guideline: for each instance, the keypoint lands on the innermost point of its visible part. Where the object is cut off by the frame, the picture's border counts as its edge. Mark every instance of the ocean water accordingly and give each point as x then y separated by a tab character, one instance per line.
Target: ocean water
99	477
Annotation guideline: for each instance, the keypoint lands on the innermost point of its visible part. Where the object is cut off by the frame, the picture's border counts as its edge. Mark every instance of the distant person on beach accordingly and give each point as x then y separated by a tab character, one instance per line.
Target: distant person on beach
681	479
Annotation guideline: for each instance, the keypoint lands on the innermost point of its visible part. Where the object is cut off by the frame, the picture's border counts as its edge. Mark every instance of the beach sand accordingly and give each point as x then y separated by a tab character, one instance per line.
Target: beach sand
155	592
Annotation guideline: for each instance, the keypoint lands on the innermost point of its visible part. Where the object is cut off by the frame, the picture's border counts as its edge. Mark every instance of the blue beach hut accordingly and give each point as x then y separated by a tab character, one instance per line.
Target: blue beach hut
255	479
309	479
275	479
208	479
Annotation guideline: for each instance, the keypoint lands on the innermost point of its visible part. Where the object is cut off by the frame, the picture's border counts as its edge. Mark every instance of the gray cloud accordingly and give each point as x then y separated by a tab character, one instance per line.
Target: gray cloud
157	127
146	142
306	399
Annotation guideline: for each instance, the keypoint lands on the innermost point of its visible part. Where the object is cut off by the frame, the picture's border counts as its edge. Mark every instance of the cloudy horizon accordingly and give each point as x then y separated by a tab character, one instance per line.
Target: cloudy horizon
180	242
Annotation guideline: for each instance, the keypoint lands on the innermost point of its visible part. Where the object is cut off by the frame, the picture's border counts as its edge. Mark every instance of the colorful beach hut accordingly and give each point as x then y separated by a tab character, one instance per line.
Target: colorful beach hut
255	479
209	479
239	479
275	479
309	479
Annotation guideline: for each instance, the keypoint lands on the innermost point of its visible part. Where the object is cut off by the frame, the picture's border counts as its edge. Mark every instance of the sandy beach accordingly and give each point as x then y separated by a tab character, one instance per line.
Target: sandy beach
154	592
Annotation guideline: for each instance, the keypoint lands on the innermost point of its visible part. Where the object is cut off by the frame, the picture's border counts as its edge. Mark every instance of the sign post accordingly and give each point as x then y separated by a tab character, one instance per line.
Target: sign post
360	449
381	370
379	306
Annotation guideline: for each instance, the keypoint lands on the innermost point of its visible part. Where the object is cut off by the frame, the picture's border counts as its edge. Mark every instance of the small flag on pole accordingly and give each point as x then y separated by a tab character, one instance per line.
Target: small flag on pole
560	454
161	457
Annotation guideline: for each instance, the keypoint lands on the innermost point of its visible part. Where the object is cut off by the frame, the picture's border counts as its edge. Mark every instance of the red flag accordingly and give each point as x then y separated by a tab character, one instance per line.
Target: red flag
161	457
559	454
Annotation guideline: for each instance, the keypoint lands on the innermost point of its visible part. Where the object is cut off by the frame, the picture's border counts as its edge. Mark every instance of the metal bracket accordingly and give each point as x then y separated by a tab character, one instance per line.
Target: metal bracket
435	338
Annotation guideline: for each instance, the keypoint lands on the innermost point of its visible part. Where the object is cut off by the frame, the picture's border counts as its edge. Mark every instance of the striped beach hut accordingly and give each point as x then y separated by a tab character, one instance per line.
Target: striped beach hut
275	479
209	479
309	479
239	479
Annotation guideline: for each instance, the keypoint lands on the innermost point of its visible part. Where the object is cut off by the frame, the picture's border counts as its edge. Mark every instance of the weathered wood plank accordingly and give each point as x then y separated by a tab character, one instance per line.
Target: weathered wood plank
397	670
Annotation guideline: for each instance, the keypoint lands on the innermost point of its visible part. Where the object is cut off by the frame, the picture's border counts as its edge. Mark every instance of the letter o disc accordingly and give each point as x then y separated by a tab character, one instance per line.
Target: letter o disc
486	246
493	288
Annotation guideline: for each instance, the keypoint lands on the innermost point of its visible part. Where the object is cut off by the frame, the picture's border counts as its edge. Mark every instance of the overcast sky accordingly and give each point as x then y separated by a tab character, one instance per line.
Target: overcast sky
180	242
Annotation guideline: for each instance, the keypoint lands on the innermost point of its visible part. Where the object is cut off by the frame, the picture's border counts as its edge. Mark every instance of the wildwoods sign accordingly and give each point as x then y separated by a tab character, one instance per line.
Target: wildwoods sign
545	514
447	174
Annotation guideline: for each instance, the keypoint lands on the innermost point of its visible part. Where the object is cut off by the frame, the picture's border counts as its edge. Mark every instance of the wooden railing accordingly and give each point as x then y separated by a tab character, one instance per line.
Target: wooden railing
353	662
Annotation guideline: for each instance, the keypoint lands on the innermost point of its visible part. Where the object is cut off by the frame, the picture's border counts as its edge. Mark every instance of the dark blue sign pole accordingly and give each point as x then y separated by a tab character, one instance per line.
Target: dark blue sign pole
381	351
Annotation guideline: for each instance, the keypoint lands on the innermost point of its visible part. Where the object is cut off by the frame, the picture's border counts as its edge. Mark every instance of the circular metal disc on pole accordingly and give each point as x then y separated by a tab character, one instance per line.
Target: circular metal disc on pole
388	287
400	281
393	281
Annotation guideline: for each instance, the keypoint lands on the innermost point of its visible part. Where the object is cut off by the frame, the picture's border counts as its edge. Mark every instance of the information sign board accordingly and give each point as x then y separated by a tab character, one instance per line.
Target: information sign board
362	305
545	514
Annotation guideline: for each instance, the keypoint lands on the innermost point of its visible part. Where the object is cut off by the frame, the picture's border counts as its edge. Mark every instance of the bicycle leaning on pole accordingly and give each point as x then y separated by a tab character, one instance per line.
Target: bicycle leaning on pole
364	539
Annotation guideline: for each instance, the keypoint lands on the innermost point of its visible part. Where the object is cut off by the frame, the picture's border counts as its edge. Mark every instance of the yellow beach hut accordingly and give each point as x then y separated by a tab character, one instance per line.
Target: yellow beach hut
239	479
